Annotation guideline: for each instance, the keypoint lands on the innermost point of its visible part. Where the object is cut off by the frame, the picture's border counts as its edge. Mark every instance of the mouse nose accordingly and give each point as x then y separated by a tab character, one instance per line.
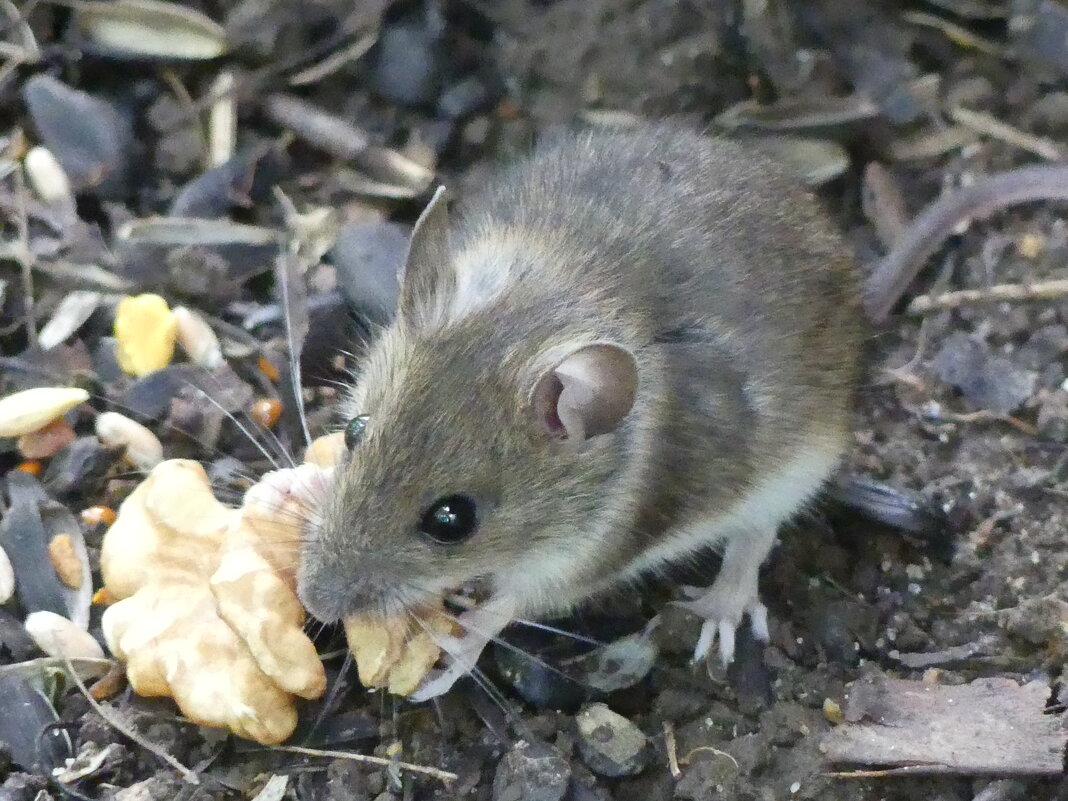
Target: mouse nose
330	597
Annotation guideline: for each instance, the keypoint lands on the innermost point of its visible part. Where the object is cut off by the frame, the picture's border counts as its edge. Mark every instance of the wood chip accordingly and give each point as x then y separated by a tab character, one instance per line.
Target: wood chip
989	727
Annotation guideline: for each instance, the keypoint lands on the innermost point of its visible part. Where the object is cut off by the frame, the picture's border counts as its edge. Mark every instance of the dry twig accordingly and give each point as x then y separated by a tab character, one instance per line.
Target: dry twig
426	770
120	726
1043	290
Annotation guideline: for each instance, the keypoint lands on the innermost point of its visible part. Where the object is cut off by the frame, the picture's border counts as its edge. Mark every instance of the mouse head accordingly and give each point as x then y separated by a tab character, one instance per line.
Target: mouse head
479	447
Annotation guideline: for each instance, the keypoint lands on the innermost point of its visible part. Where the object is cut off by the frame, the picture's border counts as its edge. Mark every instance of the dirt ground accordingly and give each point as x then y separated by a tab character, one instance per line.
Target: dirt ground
963	411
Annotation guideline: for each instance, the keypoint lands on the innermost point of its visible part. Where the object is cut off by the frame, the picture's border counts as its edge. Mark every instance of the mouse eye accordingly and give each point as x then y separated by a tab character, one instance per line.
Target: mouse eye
354	430
450	520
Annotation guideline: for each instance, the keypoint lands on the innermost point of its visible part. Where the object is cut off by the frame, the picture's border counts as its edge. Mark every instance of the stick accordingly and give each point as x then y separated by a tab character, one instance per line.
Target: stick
437	773
121	727
1044	290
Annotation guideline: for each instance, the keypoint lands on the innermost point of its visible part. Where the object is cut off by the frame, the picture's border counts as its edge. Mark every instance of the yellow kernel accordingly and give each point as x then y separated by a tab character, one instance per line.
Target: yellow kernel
145	333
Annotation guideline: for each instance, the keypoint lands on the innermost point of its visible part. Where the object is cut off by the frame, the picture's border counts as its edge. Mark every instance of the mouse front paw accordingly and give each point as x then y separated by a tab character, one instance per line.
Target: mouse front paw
722	606
480	627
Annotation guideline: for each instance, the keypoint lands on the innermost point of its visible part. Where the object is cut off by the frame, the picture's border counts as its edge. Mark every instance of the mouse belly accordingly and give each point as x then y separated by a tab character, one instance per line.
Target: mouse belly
764	508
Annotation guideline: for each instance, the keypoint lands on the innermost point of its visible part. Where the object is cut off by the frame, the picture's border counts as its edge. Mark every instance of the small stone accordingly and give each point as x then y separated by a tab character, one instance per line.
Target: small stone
832	711
57	636
65	561
145	334
32	409
609	743
531	772
1040	621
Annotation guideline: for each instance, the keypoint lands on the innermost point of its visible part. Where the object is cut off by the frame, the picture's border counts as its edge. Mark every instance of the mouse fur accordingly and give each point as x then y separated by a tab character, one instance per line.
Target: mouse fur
708	315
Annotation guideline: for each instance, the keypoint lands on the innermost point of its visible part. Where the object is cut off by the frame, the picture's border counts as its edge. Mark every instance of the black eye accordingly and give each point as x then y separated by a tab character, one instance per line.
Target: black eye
354	430
450	520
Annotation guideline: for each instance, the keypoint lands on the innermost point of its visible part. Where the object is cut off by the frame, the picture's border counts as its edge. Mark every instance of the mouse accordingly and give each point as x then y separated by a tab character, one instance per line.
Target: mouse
628	346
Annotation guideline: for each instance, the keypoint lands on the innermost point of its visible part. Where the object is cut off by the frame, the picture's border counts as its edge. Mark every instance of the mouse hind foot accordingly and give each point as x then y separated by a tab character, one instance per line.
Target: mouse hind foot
733	596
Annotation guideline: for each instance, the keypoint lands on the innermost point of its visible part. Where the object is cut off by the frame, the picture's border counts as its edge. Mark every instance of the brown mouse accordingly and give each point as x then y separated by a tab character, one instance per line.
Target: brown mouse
631	345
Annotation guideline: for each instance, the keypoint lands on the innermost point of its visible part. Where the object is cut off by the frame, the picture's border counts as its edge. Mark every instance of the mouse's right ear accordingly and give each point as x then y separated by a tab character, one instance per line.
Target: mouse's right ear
586	394
427	271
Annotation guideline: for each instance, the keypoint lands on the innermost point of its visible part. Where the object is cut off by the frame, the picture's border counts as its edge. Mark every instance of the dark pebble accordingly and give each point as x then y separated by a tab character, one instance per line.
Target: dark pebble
609	743
531	772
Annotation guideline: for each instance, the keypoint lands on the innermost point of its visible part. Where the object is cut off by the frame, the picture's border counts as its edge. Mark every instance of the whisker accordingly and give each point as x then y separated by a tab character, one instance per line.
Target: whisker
332	695
233	418
563	633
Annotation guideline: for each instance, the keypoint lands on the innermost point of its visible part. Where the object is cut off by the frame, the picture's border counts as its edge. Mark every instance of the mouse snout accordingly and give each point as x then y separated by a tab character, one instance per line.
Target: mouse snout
332	591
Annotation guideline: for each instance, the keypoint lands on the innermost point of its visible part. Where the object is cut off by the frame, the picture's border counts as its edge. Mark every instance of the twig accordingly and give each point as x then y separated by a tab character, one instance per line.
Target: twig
116	723
990	126
1043	290
926	233
26	257
426	770
672	750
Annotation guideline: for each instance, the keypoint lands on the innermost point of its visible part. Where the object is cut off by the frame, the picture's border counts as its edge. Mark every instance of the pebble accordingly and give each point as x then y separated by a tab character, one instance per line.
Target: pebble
82	462
7	578
610	744
407	64
145	333
531	772
197	339
141	446
32	409
57	636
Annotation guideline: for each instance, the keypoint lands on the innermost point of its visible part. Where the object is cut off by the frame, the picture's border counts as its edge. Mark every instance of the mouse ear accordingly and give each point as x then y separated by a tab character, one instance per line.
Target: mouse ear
588	393
427	271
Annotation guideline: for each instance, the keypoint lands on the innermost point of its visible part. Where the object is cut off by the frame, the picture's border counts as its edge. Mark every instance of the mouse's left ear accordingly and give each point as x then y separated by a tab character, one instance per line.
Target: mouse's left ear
427	271
587	393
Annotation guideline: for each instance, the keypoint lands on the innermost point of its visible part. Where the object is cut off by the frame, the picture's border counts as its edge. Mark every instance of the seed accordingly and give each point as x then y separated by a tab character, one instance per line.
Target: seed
268	369
143	449
32	409
65	561
266	411
97	515
47	176
7	578
57	636
145	333
197	339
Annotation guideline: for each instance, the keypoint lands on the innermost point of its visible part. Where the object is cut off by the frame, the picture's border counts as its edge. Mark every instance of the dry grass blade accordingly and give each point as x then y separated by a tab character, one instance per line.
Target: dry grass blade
120	726
425	770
